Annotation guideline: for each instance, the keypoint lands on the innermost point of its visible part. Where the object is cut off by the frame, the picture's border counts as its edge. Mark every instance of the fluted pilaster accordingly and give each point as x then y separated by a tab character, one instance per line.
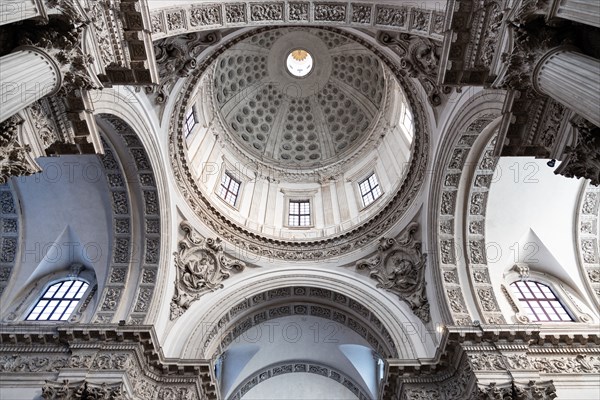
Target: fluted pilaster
583	11
27	75
17	10
572	79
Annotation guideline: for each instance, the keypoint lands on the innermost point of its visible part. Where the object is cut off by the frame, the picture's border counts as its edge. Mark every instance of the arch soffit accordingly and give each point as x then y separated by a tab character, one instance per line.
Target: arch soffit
132	109
406	335
137	240
345	242
468	140
298	366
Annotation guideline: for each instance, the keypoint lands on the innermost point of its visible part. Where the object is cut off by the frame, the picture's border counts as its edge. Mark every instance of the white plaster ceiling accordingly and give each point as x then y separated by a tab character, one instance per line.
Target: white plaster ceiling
298	122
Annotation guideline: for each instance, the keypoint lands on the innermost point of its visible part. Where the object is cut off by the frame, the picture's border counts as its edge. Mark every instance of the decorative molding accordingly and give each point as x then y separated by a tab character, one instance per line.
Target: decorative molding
475	221
65	390
298	366
176	58
472	34
10	223
588	239
342	243
148	256
299	300
171	21
123	42
399	267
419	58
583	159
132	361
202	266
14	157
518	391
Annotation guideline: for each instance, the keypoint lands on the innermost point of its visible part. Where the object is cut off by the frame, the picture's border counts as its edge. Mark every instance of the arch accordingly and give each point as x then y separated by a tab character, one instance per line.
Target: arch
10	226
136	230
344	242
588	239
331	305
460	248
298	366
397	334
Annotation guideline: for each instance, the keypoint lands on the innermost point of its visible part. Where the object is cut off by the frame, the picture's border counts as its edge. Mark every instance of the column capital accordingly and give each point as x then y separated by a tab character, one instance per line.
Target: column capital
14	156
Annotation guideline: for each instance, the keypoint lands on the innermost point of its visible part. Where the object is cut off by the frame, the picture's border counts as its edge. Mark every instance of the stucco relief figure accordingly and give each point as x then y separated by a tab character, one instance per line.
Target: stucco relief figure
399	267
404	273
198	273
201	267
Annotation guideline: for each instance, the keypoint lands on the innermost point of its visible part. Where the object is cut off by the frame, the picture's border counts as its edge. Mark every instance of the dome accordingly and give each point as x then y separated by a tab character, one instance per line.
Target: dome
298	97
298	135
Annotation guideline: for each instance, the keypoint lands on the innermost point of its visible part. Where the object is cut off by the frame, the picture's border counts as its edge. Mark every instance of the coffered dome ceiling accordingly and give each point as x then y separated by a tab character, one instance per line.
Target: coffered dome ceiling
298	118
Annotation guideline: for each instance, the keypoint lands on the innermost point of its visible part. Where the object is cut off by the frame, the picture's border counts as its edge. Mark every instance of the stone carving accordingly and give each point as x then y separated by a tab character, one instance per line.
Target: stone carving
361	14
298	12
202	266
494	392
531	42
518	361
487	299
330	12
13	155
176	58
583	159
419	58
582	363
174	21
487	361
448	202
235	13
266	12
45	127
25	363
447	250
65	390
399	267
392	16
522	269
207	15
534	390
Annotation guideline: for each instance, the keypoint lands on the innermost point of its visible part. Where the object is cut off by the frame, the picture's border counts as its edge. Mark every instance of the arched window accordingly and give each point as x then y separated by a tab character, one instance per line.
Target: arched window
59	301
540	302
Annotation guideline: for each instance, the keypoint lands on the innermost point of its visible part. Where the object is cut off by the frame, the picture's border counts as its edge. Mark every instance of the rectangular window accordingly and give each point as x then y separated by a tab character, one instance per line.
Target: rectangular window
299	213
369	190
190	121
229	189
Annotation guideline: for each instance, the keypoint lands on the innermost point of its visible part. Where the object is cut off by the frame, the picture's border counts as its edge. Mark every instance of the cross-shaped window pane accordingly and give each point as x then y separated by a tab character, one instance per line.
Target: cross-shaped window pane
369	190
229	189
299	213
